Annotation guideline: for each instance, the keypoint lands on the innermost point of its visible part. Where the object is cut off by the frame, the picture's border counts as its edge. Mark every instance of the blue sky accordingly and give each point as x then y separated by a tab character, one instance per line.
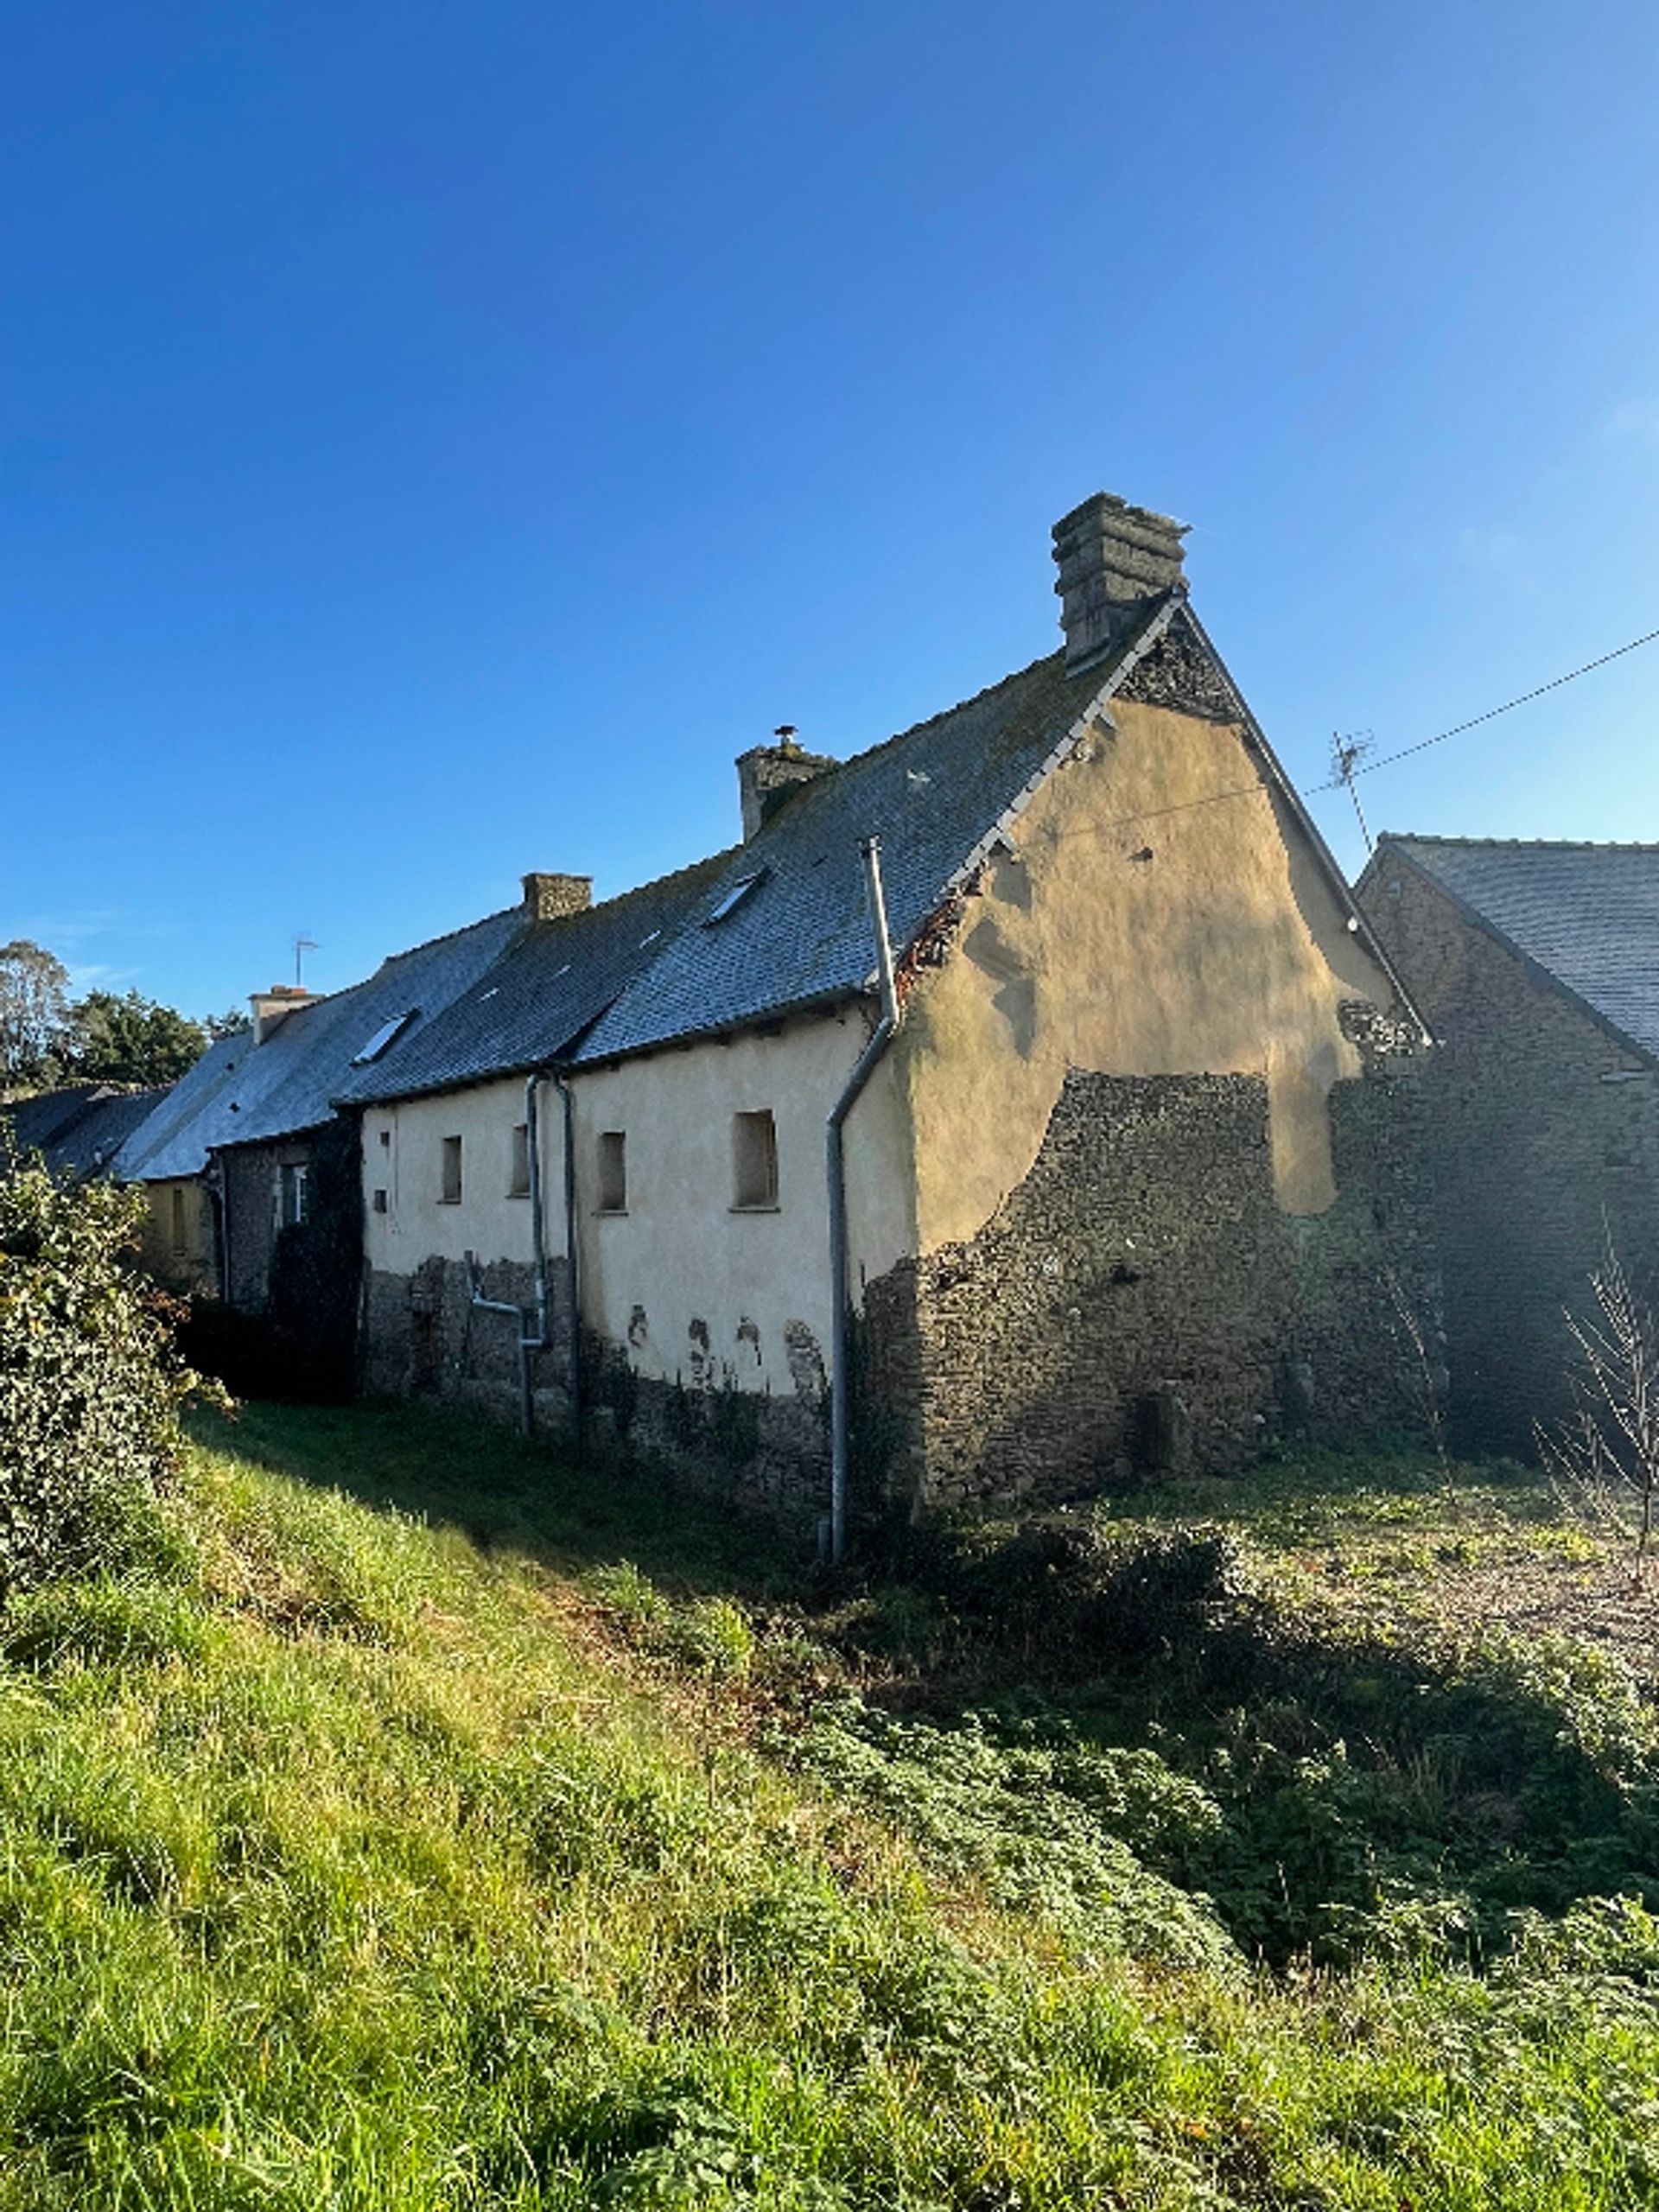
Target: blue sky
434	441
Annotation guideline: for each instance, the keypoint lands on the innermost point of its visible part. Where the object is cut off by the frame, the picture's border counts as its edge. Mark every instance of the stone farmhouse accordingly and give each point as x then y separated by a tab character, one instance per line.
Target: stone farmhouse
1537	967
1033	1073
1122	1187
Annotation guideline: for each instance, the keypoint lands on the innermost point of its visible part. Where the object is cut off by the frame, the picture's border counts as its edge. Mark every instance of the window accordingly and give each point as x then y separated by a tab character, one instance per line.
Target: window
449	1189
293	1194
518	1169
379	1202
373	1046
735	896
613	1172
180	1240
754	1160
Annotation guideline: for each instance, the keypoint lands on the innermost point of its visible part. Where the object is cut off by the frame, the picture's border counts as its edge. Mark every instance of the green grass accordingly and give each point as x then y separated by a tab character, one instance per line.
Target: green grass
427	1824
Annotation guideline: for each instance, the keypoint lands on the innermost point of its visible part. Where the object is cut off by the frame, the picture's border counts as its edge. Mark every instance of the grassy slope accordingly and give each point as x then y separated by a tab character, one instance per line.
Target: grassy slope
353	1861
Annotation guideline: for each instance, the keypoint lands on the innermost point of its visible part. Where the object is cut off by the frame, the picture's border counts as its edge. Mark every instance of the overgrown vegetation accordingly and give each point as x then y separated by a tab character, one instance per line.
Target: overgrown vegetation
90	1387
505	1836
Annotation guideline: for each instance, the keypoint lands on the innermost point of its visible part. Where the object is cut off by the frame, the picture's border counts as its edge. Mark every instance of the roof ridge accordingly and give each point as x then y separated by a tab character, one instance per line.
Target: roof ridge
674	875
914	729
1524	844
426	943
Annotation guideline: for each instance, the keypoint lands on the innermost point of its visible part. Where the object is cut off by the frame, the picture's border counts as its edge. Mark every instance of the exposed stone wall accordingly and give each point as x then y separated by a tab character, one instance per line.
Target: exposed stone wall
422	1336
1540	1134
1142	1303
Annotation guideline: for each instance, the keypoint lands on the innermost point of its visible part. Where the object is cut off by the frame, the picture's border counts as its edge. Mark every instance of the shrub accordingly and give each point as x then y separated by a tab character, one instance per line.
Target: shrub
89	1384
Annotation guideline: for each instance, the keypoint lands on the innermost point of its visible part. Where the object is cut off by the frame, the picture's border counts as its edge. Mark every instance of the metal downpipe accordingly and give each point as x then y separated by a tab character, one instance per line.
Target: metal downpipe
834	1161
572	1251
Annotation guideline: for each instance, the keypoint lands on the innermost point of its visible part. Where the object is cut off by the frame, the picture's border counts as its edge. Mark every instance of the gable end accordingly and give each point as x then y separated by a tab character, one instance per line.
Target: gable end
1180	672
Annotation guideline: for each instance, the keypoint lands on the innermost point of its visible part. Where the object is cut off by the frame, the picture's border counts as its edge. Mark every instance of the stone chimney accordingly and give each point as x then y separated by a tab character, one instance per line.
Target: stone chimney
1112	558
274	1006
767	772
550	898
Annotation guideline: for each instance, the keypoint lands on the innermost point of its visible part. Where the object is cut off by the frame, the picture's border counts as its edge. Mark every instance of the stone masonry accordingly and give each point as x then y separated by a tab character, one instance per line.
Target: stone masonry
1541	1137
1142	1305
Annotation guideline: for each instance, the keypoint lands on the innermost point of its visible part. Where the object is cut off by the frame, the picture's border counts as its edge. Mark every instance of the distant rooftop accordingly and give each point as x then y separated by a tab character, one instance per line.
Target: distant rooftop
1588	914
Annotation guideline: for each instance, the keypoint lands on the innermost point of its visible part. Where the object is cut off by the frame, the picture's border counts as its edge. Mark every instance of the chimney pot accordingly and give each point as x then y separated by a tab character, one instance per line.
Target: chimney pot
550	898
767	773
1113	558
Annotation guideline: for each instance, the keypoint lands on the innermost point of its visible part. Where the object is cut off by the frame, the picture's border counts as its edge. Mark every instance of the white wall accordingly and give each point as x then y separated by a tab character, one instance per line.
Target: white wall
681	1254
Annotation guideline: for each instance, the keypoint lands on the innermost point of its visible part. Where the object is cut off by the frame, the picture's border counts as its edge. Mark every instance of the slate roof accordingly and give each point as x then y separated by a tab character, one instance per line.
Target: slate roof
673	959
78	1130
1587	915
243	1093
803	937
551	982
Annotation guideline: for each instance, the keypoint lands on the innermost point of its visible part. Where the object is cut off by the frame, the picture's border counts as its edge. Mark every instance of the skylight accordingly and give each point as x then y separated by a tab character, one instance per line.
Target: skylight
383	1037
735	898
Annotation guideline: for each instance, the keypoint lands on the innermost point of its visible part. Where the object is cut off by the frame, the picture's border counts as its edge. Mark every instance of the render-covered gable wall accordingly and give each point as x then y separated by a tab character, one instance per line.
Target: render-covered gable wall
1541	1135
1163	1214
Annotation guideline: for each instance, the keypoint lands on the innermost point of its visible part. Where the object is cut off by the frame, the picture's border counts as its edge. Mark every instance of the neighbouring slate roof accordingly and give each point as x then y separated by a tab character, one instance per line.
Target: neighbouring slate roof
78	1131
803	936
243	1093
1588	915
551	982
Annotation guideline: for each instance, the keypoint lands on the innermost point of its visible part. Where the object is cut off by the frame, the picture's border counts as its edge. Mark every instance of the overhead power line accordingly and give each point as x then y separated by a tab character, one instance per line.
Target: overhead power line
1387	760
1358	767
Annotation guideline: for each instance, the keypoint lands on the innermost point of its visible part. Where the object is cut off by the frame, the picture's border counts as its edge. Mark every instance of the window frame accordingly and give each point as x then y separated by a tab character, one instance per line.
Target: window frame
754	1146
452	1182
611	1157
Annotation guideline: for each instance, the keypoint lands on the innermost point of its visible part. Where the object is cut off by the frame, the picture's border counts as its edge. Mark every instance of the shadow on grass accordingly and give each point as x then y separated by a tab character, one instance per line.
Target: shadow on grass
507	1493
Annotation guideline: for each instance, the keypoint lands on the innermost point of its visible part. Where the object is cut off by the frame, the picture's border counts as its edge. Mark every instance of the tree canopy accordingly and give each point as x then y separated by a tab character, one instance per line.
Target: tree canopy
47	1037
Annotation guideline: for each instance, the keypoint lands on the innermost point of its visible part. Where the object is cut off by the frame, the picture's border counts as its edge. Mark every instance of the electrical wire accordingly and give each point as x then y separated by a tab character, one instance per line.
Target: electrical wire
1386	760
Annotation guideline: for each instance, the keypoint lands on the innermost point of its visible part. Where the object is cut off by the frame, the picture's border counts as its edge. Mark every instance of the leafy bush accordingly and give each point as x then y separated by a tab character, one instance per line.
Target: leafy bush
89	1384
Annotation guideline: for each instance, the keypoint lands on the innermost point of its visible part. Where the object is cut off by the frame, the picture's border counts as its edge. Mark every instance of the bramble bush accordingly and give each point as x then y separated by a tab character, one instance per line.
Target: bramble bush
91	1386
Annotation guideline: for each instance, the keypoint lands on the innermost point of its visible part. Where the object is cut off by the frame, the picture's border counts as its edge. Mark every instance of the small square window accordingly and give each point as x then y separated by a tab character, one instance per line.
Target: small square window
518	1167
754	1160
379	1202
613	1172
449	1189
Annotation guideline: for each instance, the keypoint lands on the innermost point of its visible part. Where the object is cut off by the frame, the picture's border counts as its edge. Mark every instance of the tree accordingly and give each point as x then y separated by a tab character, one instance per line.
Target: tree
235	1021
34	1011
130	1038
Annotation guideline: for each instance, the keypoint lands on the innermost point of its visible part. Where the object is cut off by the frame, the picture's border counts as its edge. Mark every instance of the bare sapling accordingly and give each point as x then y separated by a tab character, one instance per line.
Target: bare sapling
1604	1456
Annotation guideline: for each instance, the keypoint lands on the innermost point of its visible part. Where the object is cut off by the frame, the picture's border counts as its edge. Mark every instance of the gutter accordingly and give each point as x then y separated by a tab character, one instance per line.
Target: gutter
834	1161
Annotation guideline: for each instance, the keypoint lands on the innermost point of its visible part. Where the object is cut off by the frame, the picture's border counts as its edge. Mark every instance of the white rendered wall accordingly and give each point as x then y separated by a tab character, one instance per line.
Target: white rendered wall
682	1255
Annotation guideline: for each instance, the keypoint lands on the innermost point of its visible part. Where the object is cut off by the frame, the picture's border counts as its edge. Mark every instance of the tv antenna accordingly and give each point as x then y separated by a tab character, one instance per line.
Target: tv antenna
301	946
1346	755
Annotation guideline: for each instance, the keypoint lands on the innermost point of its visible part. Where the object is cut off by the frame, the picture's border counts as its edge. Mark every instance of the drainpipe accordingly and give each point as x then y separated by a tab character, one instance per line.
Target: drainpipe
836	1163
572	1251
526	1341
534	1333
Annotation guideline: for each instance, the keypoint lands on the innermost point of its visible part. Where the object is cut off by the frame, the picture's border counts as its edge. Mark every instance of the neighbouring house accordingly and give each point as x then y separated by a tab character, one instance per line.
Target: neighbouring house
1536	965
77	1131
1126	1189
252	1174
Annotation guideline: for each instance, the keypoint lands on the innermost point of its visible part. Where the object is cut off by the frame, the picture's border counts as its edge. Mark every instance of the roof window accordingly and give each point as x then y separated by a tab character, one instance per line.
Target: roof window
733	898
383	1037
